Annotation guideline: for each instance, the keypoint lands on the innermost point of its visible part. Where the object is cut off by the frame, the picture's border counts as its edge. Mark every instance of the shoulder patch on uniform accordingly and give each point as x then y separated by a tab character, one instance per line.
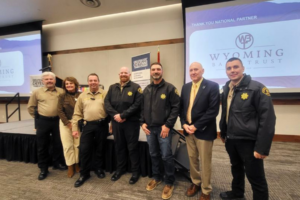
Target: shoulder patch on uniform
266	91
140	90
176	91
162	96
129	93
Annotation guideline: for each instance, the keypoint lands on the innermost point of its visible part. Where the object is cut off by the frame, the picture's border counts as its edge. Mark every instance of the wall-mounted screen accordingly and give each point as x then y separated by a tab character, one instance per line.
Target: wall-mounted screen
20	57
263	34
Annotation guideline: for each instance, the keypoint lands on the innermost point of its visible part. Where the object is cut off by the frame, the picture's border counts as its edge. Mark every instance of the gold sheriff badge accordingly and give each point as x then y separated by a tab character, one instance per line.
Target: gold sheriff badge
244	96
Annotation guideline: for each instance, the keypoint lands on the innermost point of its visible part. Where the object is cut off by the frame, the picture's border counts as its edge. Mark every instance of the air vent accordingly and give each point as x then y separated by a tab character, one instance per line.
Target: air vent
91	3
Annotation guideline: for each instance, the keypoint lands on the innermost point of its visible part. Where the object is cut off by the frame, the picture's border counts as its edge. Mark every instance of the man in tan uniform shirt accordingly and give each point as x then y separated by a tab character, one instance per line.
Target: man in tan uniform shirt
45	100
90	109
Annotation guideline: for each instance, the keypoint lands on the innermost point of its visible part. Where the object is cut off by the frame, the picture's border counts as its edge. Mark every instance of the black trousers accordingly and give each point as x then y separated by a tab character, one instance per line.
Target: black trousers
243	161
48	132
126	136
92	143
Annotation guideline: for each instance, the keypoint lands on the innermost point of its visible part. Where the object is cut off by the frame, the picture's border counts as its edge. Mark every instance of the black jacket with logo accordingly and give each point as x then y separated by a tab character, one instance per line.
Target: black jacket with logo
160	105
127	102
251	114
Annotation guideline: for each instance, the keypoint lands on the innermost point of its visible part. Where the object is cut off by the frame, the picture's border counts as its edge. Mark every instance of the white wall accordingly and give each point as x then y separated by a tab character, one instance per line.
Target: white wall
287	119
137	26
107	63
141	26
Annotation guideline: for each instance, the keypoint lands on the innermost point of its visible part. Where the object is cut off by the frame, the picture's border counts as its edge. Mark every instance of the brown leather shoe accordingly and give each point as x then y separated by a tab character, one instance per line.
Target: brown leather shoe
167	192
77	168
204	197
192	190
71	171
152	184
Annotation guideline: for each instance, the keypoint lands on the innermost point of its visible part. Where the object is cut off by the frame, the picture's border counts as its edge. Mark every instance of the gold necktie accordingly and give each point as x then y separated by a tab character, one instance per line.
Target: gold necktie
192	99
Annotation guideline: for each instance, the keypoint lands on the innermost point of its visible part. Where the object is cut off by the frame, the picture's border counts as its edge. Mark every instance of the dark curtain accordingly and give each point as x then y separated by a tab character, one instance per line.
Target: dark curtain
23	148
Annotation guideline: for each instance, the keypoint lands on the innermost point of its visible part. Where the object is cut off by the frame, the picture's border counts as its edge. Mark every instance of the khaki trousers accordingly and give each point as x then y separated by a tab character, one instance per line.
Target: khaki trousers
200	170
70	144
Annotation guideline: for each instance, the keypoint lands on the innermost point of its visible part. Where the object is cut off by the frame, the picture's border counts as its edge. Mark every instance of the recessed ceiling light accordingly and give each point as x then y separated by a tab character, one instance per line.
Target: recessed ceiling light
91	3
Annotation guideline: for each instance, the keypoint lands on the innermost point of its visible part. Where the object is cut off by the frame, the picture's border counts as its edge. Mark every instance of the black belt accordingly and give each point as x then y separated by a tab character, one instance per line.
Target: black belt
48	118
95	122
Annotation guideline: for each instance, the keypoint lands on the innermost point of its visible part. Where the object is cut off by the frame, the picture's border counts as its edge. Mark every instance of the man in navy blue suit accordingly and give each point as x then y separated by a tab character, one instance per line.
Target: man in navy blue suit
200	102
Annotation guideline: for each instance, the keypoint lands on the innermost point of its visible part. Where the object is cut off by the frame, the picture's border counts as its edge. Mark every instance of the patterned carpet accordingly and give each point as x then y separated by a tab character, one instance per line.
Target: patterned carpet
19	180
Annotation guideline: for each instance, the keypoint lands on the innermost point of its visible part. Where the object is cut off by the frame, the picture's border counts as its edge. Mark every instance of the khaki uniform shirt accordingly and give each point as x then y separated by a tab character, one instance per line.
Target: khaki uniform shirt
45	100
89	107
122	86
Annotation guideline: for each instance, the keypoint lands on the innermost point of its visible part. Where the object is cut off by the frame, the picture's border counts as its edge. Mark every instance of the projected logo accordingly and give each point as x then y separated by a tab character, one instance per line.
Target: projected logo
11	68
244	41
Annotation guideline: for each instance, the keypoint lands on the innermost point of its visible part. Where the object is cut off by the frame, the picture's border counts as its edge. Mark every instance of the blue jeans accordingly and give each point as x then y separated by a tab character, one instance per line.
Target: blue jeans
160	148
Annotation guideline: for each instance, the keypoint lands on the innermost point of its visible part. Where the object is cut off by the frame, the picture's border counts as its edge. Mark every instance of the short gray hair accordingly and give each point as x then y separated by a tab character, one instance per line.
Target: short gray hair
48	74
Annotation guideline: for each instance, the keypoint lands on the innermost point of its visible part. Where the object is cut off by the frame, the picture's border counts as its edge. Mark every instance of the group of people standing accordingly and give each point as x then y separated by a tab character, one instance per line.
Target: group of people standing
78	124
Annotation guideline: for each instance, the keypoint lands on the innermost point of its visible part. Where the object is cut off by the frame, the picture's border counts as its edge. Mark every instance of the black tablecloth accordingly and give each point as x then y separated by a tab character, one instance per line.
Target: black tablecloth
23	148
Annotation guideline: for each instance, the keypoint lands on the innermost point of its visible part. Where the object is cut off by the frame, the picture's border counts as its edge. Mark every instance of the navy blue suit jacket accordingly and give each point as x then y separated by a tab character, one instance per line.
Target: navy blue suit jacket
204	111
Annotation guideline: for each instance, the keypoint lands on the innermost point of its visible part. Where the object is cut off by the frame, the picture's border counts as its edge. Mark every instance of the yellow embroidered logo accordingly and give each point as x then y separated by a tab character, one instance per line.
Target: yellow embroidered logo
176	92
266	91
140	90
129	93
162	96
244	96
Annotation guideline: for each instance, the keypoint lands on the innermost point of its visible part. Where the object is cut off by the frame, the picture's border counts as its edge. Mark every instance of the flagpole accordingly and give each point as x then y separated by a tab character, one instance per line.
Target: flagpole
158	55
49	56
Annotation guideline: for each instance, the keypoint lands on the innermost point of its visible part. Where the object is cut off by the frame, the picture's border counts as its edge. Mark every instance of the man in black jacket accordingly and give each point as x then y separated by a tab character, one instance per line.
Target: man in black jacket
247	128
123	104
160	109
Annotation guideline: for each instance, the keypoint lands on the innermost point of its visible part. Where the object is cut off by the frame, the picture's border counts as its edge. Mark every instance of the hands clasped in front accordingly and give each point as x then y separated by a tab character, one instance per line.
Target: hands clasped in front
118	118
190	129
164	130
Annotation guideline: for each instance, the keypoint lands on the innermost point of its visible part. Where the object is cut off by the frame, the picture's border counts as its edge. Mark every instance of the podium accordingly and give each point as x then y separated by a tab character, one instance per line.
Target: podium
36	82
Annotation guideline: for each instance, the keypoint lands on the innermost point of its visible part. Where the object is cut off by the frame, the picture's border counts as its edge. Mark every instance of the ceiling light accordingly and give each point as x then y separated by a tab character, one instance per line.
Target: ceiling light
91	3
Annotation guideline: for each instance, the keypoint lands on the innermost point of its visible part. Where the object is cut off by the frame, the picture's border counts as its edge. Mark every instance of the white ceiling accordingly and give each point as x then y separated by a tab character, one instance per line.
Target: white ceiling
53	11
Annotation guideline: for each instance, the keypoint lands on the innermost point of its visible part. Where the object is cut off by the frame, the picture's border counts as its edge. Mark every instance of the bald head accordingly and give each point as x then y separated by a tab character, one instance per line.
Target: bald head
196	64
124	74
196	72
125	69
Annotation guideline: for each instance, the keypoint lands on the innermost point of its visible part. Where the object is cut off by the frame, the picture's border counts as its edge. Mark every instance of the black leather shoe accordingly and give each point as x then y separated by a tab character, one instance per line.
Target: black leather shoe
117	176
134	178
100	173
230	195
60	167
81	180
43	174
